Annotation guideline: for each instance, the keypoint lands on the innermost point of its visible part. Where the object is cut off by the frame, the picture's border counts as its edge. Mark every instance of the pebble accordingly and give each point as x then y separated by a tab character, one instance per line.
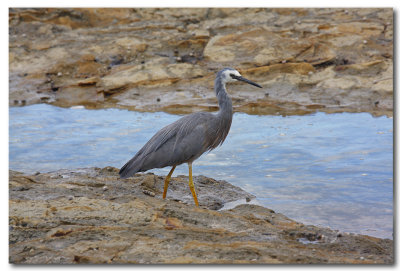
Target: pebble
59	74
148	193
105	188
70	197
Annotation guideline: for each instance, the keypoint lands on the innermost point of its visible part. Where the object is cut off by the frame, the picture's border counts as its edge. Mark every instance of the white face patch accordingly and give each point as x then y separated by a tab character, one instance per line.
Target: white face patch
227	75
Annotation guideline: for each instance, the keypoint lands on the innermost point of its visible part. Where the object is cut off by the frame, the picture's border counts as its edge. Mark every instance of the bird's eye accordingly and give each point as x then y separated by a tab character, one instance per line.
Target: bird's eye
232	75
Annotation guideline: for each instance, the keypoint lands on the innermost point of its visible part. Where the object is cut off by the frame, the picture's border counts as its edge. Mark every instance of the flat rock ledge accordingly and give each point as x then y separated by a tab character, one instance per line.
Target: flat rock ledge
91	216
164	59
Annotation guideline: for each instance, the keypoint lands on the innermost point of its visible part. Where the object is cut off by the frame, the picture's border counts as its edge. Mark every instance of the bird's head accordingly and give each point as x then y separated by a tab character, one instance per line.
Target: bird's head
228	75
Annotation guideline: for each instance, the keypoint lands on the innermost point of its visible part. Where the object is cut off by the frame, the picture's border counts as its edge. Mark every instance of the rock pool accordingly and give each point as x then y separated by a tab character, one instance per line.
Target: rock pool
332	170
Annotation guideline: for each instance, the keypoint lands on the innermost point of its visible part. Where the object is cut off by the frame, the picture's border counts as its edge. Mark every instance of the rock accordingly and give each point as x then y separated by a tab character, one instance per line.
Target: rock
74	95
316	54
150	74
158	52
85	68
363	28
241	47
57	220
338	83
88	81
277	69
370	69
132	44
344	40
201	34
266	55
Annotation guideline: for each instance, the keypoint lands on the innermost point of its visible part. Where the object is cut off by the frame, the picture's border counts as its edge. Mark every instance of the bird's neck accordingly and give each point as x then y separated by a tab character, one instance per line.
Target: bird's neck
224	101
223	117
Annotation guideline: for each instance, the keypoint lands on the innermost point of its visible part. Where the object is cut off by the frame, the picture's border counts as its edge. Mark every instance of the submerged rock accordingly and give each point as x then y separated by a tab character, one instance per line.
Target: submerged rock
92	216
331	60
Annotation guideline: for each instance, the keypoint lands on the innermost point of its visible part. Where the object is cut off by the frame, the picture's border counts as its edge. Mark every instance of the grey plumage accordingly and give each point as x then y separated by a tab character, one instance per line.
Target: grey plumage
174	144
189	137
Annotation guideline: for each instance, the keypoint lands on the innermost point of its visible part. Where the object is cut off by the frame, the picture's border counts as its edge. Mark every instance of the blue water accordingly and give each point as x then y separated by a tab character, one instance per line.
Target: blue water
331	170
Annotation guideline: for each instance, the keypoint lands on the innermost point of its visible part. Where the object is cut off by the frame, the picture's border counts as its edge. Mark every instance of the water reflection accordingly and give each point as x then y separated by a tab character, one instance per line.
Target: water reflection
326	169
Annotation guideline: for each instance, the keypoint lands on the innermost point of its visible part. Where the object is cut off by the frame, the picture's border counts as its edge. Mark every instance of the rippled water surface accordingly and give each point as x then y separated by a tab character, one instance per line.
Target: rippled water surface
324	169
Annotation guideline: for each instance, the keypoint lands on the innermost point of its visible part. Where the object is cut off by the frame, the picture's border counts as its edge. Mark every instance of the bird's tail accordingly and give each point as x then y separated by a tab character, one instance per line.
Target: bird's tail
130	168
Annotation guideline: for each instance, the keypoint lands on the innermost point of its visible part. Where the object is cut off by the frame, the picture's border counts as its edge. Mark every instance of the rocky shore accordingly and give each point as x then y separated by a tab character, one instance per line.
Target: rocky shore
307	60
92	216
331	60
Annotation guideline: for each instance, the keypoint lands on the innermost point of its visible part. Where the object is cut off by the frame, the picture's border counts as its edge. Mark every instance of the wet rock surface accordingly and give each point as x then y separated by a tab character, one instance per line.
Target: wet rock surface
91	216
331	60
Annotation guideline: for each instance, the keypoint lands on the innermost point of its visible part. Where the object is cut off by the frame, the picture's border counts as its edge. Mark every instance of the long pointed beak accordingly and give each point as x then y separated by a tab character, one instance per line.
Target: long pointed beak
240	78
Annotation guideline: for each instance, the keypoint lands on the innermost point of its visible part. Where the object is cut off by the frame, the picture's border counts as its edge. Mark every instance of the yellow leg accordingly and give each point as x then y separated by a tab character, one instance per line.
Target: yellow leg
191	185
166	182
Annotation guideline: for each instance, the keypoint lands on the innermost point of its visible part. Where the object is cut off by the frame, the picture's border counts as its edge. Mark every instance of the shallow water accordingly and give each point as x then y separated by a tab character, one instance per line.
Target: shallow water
331	170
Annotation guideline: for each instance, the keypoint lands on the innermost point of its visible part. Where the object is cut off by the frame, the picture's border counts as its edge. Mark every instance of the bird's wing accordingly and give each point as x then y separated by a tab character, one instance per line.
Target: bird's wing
177	130
135	164
180	142
170	145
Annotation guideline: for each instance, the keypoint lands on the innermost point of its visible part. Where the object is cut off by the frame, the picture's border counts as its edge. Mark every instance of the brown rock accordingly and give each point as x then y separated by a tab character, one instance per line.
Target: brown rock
316	53
123	225
295	68
142	55
85	69
131	44
371	69
228	48
156	74
88	81
361	28
87	58
74	95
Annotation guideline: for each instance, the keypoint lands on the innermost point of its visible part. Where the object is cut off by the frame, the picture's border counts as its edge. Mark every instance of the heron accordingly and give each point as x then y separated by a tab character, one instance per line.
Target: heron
186	139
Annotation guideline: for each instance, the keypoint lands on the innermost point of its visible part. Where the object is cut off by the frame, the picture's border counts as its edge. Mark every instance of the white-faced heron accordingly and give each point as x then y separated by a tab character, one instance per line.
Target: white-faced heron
189	137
